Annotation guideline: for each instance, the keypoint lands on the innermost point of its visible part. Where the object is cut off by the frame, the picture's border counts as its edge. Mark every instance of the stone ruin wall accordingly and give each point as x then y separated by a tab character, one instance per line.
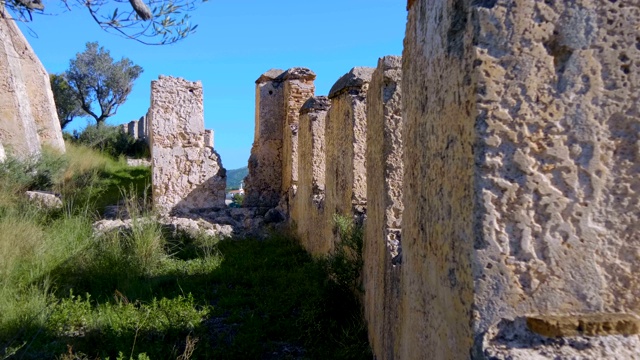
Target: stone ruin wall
309	200
382	251
264	182
345	139
298	88
522	164
518	206
28	112
273	162
186	174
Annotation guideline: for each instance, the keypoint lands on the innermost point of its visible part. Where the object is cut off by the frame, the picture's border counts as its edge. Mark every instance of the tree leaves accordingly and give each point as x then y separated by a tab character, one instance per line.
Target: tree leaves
97	80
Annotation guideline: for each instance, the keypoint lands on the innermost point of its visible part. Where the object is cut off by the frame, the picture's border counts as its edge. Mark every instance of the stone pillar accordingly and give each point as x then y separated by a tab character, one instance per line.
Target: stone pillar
186	174
3	155
382	251
27	110
208	138
264	181
521	180
345	134
298	88
309	200
133	129
142	128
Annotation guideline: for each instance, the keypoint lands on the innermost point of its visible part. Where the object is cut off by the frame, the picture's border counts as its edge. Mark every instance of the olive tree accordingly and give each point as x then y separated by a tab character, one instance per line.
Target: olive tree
152	22
67	103
96	79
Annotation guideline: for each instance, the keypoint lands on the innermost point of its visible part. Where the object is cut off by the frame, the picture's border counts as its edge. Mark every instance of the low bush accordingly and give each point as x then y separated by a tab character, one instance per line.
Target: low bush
111	140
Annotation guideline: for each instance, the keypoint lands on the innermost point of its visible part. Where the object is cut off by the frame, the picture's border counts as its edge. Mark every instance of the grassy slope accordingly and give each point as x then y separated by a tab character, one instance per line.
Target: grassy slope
65	294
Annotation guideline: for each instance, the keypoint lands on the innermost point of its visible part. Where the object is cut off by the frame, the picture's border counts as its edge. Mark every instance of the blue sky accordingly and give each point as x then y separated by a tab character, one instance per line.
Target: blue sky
235	42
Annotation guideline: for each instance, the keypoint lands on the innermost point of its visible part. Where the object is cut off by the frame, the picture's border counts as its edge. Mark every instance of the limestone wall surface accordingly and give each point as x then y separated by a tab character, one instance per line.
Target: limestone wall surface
309	201
186	174
382	241
298	88
345	139
264	183
521	164
27	109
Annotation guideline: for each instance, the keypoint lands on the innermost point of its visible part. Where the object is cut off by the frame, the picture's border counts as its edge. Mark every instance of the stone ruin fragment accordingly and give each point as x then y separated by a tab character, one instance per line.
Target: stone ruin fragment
28	114
186	173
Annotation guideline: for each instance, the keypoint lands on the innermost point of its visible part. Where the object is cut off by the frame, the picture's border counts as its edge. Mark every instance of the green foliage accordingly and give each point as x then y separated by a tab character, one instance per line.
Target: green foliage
149	293
152	22
345	263
95	79
235	177
238	199
67	104
112	141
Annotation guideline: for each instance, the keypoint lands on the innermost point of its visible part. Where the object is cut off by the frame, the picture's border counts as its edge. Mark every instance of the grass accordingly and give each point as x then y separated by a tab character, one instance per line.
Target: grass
146	293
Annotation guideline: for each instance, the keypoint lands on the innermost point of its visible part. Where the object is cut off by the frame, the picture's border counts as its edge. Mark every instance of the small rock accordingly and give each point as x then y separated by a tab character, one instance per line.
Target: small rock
44	199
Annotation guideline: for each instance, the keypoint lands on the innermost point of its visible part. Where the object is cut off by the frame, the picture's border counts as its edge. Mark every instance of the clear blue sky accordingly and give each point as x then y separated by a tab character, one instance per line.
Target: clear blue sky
235	42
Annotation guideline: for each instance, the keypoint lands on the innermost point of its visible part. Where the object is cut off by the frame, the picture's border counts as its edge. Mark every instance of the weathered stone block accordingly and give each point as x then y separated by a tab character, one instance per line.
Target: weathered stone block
309	200
521	161
264	182
142	128
382	251
132	129
28	112
186	174
298	88
345	134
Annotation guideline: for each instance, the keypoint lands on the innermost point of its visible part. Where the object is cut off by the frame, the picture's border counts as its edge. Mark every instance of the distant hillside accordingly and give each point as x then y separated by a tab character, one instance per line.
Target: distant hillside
235	176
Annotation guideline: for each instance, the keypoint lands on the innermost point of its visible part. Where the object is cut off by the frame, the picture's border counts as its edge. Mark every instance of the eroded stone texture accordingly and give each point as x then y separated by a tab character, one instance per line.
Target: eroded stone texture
264	182
186	174
309	200
345	138
27	109
298	88
382	252
521	174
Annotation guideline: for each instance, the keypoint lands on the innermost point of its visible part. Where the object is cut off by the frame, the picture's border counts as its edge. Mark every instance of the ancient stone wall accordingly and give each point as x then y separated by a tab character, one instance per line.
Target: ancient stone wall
142	128
132	129
186	174
345	139
521	164
264	183
382	241
298	88
27	109
309	201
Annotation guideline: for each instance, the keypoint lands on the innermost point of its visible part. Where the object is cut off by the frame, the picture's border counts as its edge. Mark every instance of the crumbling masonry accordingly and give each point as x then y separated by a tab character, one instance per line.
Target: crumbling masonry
186	174
501	200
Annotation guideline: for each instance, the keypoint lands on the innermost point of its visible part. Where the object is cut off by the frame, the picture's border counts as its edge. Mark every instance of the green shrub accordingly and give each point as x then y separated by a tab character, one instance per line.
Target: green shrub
111	140
344	264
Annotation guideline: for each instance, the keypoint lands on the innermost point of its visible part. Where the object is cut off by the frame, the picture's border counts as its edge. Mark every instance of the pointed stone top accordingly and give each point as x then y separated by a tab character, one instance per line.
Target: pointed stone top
390	62
354	79
296	73
321	103
270	75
